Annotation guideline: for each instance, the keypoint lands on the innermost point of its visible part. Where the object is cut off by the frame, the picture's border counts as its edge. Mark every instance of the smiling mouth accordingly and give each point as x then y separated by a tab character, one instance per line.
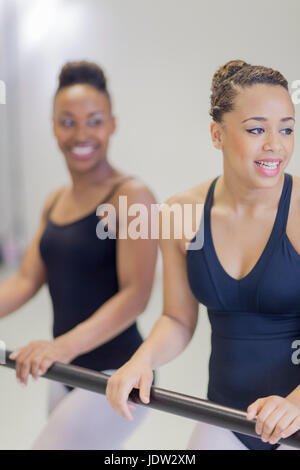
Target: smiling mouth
268	165
82	150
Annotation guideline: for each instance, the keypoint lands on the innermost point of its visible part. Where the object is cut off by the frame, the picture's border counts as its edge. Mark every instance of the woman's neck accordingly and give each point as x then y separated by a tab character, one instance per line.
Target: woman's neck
81	182
243	199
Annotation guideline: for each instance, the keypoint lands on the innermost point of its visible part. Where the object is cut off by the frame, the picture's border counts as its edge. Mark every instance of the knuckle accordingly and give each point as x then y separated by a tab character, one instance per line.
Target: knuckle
267	428
279	428
277	399
297	419
149	375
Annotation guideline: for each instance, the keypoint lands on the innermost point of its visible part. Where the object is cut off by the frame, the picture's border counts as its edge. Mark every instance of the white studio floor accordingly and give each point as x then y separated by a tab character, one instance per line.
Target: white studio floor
23	410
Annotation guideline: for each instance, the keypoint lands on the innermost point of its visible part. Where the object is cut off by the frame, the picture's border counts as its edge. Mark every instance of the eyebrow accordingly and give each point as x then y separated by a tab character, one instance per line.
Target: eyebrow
264	119
90	114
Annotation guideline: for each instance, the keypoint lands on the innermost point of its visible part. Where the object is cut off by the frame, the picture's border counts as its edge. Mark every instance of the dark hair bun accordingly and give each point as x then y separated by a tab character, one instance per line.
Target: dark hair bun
227	71
73	73
235	75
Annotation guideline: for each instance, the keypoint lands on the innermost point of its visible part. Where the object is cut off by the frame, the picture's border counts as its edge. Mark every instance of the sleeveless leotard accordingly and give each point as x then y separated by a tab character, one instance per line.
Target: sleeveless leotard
254	320
82	276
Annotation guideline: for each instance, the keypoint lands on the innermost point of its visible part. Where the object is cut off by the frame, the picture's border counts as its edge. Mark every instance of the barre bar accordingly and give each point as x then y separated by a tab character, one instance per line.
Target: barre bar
164	400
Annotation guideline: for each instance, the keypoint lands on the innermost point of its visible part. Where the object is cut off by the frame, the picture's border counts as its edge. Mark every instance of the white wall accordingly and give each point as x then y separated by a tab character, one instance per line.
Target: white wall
11	175
4	170
159	56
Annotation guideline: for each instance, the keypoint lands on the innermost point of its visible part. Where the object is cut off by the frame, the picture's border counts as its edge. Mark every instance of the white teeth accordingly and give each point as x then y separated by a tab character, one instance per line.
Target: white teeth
268	165
82	150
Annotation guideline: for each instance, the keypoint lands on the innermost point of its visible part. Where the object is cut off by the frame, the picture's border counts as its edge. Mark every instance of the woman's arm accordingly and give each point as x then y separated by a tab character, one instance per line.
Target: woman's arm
136	260
169	336
25	283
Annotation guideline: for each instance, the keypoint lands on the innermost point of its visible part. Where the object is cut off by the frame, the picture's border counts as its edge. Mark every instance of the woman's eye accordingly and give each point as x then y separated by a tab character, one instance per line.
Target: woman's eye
95	122
287	131
257	130
67	123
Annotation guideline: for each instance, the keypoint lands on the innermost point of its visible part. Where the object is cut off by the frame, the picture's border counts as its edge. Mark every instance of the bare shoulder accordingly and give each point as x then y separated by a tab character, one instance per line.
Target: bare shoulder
185	224
296	183
136	191
295	198
195	195
50	199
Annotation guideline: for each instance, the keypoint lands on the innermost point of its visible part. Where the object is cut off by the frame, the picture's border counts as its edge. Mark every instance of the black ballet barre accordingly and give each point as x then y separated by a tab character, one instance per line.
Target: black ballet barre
163	400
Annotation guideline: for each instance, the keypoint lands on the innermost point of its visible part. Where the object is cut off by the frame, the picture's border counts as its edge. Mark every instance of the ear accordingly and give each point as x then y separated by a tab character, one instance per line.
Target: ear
216	135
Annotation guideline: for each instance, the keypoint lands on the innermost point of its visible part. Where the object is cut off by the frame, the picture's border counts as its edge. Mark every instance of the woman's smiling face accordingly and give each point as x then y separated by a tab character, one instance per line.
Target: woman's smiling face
257	136
83	124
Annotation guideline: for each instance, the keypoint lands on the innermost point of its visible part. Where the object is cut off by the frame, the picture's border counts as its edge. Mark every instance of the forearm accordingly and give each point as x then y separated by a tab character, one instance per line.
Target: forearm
166	341
111	319
14	292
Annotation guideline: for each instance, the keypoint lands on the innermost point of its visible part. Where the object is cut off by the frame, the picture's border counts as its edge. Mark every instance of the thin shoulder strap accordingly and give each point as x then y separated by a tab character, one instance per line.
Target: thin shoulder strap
54	201
210	193
115	187
284	204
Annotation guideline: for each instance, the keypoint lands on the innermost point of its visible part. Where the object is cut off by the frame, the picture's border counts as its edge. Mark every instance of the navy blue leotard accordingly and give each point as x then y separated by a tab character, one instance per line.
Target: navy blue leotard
254	320
82	276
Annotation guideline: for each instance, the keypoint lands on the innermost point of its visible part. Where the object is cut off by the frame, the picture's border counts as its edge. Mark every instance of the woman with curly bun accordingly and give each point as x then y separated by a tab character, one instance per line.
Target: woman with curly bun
98	286
246	272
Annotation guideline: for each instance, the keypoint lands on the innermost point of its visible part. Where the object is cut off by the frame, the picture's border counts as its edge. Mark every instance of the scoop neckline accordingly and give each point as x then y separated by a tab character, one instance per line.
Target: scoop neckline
90	214
266	247
75	221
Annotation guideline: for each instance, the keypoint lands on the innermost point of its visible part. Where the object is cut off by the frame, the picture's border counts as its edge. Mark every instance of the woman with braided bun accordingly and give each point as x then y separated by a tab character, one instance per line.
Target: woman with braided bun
246	272
98	286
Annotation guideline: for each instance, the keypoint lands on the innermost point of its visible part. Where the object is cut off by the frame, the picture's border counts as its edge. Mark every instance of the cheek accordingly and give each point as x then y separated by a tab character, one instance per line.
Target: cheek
101	134
247	146
62	135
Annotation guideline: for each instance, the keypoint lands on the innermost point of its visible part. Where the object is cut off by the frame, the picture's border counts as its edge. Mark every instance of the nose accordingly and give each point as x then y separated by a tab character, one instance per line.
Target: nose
80	134
273	142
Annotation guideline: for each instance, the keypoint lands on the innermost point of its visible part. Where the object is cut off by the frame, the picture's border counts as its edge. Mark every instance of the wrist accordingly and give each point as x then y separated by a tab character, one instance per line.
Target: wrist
143	356
67	344
294	396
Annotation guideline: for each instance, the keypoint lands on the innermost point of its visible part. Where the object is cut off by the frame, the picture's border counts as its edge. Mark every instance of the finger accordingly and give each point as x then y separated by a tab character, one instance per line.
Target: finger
44	365
131	406
117	393
21	364
145	386
121	399
24	371
293	427
271	423
14	354
35	366
254	408
26	366
281	426
268	407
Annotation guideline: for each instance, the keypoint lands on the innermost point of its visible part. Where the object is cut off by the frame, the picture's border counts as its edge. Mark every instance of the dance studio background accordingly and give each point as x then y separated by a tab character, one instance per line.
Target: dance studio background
159	57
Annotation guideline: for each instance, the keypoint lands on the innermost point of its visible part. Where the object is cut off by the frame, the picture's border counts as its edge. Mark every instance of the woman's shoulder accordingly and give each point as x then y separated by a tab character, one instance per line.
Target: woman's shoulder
134	189
194	195
296	182
51	198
